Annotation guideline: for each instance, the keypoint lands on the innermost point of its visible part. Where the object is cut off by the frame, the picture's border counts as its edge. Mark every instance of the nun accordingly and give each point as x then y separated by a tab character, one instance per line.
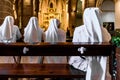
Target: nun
55	34
91	31
32	35
9	33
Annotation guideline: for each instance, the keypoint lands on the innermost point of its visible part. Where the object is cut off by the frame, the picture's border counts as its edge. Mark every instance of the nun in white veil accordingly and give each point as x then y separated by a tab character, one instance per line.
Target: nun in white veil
9	33
32	34
55	34
51	35
91	31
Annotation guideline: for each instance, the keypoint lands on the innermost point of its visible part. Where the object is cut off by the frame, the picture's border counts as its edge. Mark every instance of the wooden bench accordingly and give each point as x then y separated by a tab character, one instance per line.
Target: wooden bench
38	70
52	49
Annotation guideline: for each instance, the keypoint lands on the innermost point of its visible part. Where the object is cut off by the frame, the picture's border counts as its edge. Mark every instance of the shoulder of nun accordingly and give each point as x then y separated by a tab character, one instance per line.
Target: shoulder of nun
40	28
78	28
15	26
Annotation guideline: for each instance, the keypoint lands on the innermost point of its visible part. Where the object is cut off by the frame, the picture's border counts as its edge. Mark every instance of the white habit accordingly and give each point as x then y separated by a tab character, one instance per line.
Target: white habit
91	31
54	34
9	33
32	34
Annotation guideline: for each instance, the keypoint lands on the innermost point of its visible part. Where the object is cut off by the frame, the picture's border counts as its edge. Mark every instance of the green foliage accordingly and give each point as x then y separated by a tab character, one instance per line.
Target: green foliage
116	41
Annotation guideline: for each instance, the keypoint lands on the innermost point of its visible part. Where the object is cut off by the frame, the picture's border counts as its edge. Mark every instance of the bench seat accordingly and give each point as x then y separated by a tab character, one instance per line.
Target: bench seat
39	70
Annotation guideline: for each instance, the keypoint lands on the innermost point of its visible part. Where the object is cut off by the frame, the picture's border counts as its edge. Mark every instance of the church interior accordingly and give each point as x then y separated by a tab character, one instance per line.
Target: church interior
69	12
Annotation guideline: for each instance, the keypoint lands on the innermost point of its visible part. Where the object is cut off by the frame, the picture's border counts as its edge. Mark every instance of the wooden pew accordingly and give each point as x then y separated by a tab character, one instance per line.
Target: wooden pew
52	49
38	70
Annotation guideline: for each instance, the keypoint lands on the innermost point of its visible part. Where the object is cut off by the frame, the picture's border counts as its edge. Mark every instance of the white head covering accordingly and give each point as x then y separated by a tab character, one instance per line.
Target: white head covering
91	31
93	25
32	32
51	33
7	28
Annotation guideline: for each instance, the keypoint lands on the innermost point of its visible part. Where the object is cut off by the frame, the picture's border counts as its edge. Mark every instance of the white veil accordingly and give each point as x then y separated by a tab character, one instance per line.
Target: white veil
32	32
51	33
93	25
7	28
91	31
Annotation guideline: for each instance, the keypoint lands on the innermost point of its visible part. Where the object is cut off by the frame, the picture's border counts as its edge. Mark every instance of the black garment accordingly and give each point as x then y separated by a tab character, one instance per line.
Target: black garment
76	71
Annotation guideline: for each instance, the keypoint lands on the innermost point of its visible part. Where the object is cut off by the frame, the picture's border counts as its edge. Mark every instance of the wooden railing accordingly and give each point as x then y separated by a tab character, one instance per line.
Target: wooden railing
52	49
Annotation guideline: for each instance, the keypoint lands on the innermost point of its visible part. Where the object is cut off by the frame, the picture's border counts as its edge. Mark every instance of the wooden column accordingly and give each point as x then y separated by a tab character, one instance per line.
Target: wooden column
32	9
72	9
6	8
36	7
90	3
21	15
117	14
